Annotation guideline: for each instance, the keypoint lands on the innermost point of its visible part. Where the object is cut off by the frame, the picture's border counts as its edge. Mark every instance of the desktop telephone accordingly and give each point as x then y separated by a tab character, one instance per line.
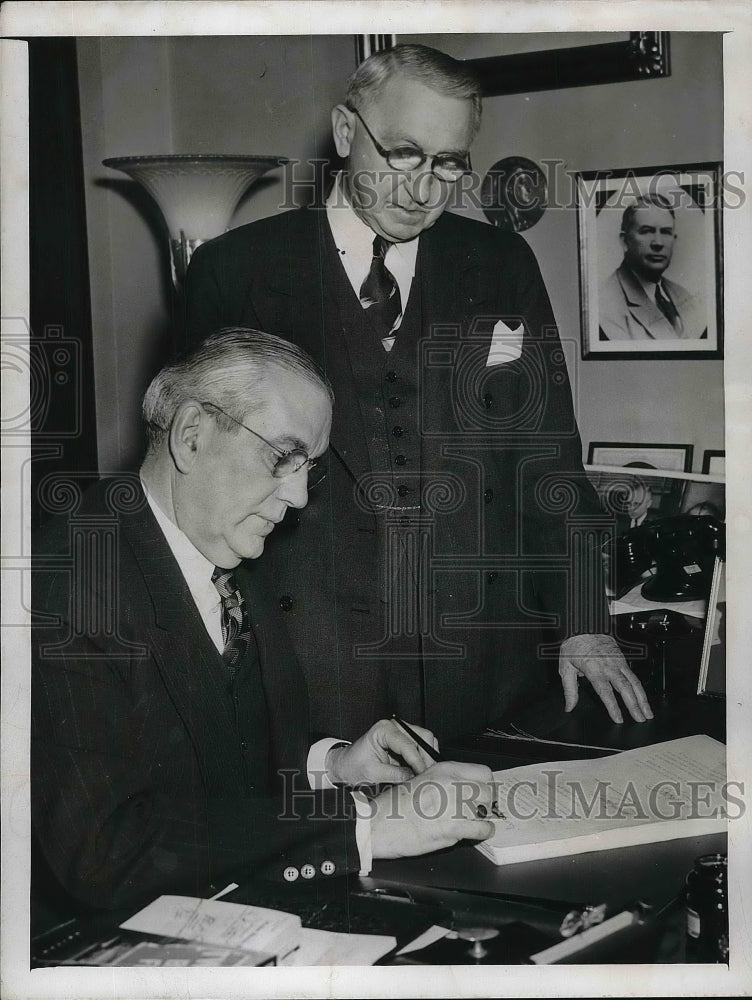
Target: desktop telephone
679	551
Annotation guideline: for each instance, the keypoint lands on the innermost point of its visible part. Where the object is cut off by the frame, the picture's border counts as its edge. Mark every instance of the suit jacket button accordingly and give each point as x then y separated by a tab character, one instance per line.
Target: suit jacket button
307	871
290	873
488	401
400	460
286	602
327	867
403	490
395	401
391	376
488	496
398	431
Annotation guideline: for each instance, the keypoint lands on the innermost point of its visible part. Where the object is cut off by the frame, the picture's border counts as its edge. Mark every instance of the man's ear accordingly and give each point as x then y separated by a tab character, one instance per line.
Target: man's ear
343	128
188	431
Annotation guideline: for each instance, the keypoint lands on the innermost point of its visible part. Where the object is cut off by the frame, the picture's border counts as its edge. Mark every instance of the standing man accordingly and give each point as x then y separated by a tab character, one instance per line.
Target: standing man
170	739
637	302
442	544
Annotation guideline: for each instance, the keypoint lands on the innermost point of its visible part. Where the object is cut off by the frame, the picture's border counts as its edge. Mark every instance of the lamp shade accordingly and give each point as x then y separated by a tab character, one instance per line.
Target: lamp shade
197	194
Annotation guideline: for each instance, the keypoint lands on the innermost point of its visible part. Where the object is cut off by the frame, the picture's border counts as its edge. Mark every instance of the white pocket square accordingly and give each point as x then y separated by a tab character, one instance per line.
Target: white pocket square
506	344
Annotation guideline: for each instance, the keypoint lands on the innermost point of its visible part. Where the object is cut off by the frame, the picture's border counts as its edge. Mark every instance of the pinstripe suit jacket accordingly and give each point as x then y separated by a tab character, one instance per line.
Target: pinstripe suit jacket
137	779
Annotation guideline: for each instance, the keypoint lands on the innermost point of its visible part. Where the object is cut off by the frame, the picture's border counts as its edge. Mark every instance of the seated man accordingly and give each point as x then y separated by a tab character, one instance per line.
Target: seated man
169	715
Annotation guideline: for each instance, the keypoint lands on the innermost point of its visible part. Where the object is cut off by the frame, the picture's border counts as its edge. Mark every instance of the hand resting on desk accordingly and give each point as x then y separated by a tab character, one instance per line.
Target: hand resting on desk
599	658
370	760
432	811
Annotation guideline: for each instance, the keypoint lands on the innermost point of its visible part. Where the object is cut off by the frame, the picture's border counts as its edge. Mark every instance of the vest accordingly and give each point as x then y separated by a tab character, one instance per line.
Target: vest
247	704
387	384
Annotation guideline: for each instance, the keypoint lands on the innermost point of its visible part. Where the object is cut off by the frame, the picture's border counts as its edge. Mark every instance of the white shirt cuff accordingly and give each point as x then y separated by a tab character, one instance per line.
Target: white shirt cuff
318	779
364	811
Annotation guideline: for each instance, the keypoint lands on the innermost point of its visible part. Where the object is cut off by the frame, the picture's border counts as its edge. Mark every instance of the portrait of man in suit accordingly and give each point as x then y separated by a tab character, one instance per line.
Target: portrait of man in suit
443	562
637	301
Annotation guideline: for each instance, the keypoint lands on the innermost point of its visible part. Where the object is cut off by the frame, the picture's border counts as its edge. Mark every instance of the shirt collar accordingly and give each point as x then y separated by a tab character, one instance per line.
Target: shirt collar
194	566
351	235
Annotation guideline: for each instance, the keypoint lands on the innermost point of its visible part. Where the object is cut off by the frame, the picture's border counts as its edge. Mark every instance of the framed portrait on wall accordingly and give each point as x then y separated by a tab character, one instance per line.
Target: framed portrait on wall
650	262
667	457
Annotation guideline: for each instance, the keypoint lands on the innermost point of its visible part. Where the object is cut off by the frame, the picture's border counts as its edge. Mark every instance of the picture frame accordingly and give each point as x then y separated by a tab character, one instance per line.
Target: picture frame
643	55
714	462
620	315
711	680
665	457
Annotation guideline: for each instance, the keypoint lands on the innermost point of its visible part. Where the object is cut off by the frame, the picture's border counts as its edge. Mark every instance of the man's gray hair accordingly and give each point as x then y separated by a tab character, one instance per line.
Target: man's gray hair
650	200
428	66
229	369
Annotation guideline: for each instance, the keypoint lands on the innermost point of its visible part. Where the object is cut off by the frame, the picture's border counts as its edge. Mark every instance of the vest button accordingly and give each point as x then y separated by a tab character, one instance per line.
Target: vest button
391	376
493	577
400	460
286	602
398	431
488	496
488	401
403	490
395	401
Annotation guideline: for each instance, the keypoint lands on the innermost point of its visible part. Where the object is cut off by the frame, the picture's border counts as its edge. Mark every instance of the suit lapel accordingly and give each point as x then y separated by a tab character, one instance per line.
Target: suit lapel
186	657
643	309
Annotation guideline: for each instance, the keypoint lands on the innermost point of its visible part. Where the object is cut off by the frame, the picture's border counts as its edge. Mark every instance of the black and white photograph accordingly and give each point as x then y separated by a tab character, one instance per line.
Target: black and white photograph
651	261
373	390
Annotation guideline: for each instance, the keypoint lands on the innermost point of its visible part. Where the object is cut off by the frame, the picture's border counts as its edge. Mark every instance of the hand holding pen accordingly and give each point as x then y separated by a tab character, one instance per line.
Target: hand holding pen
433	753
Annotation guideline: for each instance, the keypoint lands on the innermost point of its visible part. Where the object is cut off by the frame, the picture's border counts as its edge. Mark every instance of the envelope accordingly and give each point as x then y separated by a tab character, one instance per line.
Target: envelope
506	344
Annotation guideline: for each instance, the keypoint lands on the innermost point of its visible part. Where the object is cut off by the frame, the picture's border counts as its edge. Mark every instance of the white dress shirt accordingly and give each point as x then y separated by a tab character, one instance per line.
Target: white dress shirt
354	242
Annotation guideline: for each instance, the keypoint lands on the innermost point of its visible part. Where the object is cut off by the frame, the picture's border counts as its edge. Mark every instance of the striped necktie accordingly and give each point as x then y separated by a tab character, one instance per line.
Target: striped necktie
379	294
667	307
236	622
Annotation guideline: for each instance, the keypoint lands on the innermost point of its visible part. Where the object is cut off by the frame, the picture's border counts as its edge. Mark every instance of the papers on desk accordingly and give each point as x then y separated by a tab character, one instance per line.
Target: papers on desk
264	932
208	921
662	792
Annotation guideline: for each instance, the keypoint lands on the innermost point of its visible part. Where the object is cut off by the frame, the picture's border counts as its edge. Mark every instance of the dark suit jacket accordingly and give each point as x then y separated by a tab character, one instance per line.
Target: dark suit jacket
625	312
501	440
139	785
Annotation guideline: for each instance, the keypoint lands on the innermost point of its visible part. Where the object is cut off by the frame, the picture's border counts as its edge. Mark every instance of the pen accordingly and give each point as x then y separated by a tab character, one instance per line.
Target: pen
433	754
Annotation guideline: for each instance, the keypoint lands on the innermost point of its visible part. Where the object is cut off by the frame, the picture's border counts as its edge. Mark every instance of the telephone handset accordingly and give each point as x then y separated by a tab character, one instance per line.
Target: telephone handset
682	549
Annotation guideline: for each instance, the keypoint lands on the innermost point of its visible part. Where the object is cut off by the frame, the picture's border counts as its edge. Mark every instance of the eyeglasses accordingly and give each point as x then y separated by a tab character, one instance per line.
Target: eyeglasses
447	167
289	462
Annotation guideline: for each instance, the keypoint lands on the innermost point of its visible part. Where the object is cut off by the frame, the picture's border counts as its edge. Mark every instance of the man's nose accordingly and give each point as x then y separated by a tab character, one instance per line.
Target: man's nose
424	186
293	489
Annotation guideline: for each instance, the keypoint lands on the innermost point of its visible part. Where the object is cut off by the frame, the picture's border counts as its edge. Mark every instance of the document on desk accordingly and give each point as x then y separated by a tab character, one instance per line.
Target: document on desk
253	928
210	921
666	791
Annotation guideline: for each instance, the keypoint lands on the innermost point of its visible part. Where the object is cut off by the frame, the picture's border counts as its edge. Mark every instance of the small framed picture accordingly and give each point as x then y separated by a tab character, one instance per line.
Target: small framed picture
666	457
714	462
650	256
712	678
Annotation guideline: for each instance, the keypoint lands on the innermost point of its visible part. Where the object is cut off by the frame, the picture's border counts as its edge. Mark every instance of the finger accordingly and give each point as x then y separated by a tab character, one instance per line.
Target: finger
624	686
397	742
479	773
425	734
639	690
569	684
606	694
389	774
473	829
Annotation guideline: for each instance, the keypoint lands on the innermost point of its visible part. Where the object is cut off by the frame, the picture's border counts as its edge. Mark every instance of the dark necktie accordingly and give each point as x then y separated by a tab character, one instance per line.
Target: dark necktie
667	307
379	293
236	623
